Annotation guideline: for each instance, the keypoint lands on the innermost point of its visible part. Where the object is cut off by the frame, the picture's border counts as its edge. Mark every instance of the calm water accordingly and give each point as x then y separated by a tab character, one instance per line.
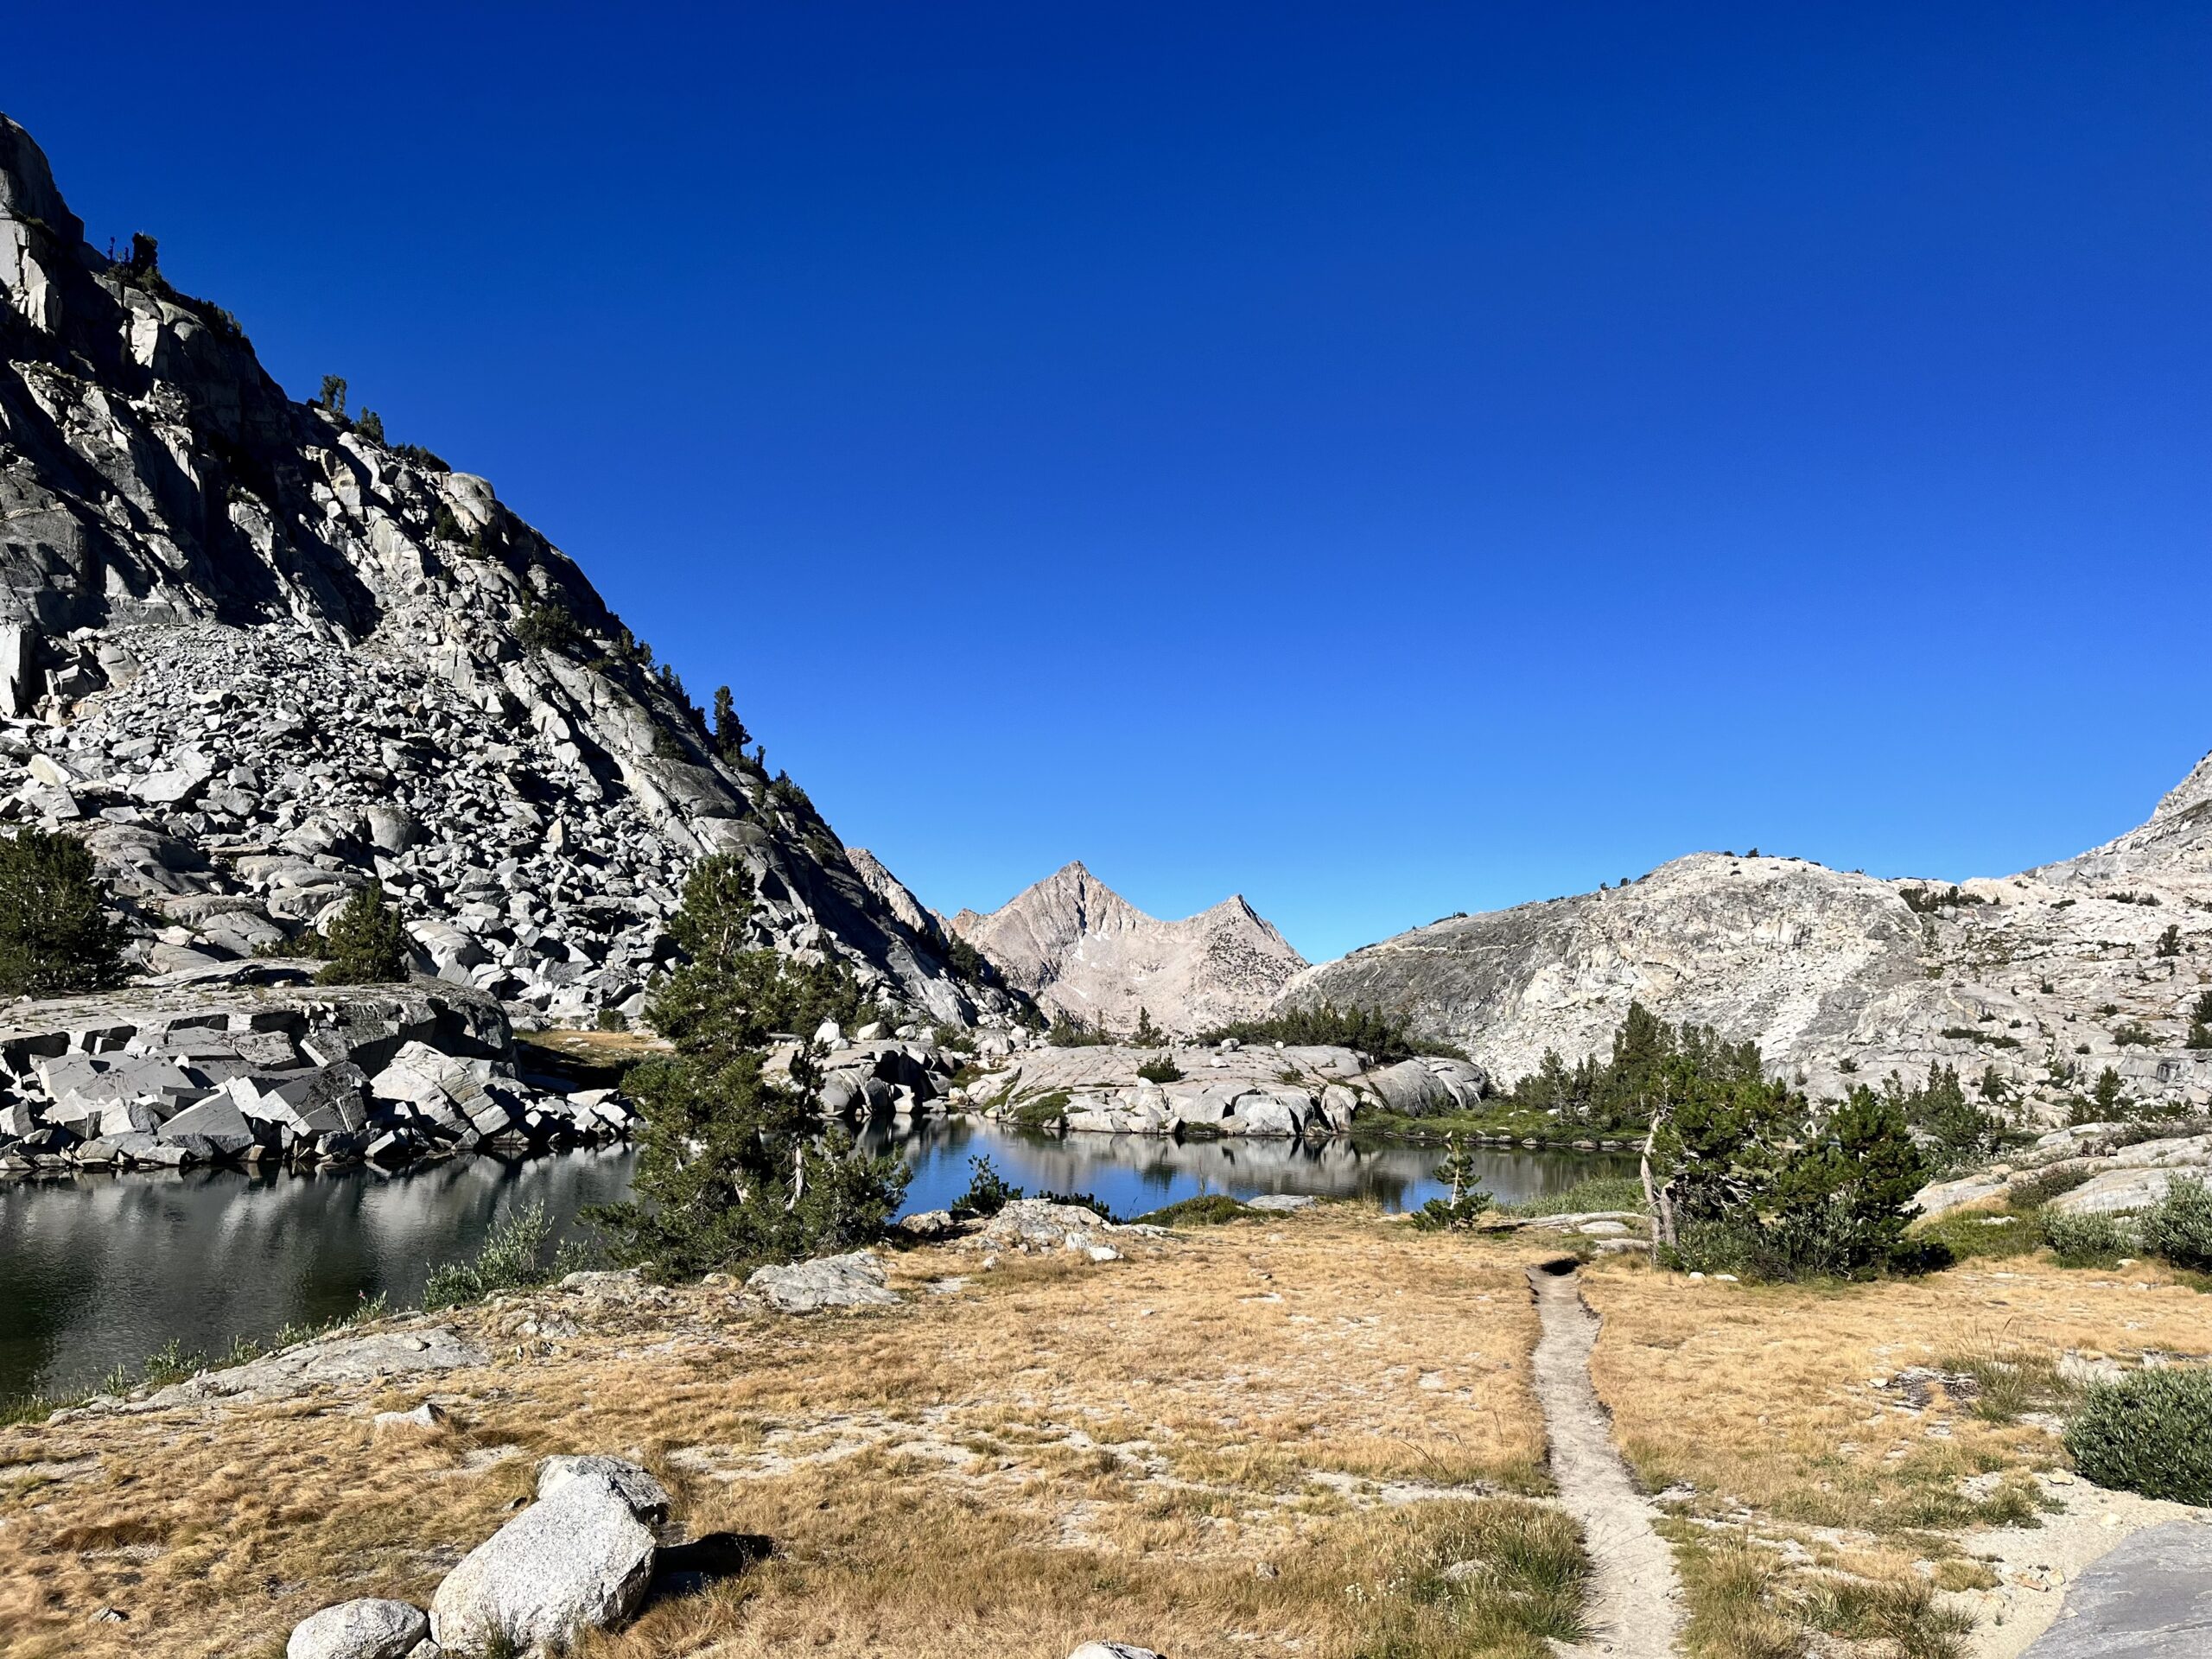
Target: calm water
104	1270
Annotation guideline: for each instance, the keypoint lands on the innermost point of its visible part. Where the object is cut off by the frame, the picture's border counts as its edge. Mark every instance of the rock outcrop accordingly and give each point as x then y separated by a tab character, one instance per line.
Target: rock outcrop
303	1074
1265	1091
257	656
1080	949
2039	981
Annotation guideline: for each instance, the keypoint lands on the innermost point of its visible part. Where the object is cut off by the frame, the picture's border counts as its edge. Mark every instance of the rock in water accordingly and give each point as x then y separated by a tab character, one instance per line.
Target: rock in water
358	1629
578	1559
1079	947
854	1280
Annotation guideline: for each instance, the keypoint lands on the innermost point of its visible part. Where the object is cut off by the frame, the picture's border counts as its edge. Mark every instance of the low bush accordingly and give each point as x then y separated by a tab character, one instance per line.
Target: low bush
1970	1233
1382	1037
1209	1209
2034	1191
2150	1432
1590	1193
988	1192
1160	1069
512	1257
2179	1227
2092	1241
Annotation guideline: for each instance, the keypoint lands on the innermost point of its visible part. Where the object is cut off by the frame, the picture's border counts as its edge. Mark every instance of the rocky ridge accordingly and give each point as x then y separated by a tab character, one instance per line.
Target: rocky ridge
1080	949
2038	981
257	656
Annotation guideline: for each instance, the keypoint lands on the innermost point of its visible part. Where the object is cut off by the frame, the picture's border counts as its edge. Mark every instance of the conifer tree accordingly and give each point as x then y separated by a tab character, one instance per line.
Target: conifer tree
734	1168
55	938
730	735
366	944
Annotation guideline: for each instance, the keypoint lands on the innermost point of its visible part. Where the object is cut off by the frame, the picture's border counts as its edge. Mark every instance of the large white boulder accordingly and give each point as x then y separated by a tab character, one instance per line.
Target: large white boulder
368	1628
577	1560
854	1280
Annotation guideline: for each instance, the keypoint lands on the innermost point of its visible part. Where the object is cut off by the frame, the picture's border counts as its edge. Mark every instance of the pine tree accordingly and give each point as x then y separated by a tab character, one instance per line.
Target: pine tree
366	944
55	938
1147	1035
333	394
730	735
734	1168
1465	1201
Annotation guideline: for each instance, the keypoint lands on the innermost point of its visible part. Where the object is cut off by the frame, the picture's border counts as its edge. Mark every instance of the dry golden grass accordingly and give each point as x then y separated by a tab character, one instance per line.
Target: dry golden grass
1761	1396
1818	1501
1191	1448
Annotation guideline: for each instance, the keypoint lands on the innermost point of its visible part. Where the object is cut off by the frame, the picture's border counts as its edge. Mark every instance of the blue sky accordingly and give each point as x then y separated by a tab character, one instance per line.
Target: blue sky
1384	459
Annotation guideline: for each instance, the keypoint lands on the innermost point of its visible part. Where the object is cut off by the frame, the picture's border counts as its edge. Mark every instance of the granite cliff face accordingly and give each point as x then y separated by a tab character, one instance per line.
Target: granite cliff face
1079	947
2042	979
257	656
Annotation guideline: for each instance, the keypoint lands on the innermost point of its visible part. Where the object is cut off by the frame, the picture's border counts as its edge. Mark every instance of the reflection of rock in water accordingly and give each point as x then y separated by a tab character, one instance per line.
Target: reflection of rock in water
105	1269
1395	1176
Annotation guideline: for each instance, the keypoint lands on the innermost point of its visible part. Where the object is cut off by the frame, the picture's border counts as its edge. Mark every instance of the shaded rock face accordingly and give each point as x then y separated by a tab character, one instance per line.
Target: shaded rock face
1079	947
2043	979
258	659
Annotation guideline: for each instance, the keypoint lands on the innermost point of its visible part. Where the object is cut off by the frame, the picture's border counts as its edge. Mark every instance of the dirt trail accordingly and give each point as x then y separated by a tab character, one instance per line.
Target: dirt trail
1635	1607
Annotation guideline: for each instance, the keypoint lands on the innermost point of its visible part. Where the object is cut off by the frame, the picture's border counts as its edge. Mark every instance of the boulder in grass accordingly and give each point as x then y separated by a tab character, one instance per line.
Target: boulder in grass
854	1280
368	1628
647	1498
1113	1650
579	1559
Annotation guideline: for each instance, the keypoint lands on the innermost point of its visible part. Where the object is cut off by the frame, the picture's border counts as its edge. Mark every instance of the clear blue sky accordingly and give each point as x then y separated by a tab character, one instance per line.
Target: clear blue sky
1386	460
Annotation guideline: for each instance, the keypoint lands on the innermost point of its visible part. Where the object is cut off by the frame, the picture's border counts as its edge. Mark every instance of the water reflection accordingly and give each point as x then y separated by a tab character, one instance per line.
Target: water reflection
105	1270
1133	1174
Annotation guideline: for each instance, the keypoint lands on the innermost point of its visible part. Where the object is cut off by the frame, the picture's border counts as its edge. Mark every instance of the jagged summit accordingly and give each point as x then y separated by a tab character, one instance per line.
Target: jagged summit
258	656
1078	947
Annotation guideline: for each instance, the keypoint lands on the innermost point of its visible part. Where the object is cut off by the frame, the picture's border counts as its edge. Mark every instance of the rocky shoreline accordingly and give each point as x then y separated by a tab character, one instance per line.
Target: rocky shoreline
277	1074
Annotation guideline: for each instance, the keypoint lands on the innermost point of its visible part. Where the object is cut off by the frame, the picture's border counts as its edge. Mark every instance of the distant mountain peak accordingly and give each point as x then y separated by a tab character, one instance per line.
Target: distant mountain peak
1080	948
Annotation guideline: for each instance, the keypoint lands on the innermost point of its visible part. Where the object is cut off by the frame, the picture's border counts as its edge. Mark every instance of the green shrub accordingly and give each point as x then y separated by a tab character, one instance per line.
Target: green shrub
2179	1226
1160	1069
550	627
612	1018
1066	1033
512	1257
2149	1433
1383	1039
1043	1111
2033	1191
1209	1209
1590	1193
988	1192
55	938
2089	1241
1926	901
366	944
